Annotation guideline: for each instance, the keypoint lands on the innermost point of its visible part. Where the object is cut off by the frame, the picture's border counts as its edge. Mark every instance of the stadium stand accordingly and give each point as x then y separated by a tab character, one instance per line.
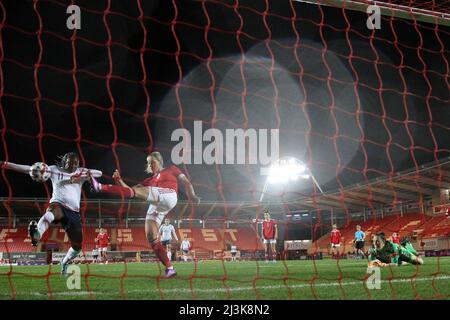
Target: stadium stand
416	226
133	239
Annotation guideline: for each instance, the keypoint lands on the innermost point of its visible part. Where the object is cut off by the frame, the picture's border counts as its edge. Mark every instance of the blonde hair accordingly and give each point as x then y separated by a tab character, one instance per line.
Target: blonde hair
157	156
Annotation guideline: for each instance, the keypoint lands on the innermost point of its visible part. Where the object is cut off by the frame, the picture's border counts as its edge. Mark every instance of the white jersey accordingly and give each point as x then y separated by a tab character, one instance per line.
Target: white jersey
185	245
66	193
166	232
233	248
95	252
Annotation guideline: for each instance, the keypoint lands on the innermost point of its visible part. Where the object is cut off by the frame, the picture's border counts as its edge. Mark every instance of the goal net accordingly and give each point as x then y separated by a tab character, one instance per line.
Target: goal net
321	112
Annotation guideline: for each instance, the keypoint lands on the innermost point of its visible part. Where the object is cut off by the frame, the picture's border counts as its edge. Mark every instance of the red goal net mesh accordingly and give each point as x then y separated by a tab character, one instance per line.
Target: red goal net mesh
363	105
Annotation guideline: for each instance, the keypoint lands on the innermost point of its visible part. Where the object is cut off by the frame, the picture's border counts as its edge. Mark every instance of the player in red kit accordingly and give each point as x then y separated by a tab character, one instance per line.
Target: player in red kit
335	241
269	236
395	238
161	191
102	244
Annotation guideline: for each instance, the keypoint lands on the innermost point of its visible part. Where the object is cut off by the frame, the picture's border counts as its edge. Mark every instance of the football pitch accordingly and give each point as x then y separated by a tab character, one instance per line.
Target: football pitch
249	280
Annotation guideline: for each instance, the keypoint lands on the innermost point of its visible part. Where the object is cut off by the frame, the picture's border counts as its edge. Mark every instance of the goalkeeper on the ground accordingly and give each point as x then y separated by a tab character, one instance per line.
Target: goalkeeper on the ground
384	253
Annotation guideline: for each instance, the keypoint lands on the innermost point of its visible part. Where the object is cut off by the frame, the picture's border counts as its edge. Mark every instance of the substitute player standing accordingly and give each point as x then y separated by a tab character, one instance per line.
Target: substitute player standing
185	248
95	255
269	236
335	240
166	231
233	252
161	191
67	179
103	242
395	238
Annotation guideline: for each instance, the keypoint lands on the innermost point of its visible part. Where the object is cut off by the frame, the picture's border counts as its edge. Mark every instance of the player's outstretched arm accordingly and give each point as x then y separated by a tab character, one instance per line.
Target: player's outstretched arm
15	167
95	173
85	175
190	188
118	179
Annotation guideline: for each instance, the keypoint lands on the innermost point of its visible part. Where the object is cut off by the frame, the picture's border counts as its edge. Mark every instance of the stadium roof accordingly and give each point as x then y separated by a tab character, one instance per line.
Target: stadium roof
411	186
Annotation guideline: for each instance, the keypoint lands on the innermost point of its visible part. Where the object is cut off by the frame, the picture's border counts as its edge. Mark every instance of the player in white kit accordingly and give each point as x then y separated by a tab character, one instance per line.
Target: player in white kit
67	179
94	255
166	231
233	252
185	248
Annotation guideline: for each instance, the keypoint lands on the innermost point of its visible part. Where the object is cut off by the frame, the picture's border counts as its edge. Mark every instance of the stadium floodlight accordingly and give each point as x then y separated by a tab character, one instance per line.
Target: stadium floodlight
285	170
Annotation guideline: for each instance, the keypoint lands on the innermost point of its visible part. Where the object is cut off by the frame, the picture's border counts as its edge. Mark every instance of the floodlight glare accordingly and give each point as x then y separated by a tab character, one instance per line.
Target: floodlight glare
285	170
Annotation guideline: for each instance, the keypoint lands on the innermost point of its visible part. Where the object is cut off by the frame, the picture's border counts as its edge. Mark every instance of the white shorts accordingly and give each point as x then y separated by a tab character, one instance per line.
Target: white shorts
162	200
104	249
271	241
335	245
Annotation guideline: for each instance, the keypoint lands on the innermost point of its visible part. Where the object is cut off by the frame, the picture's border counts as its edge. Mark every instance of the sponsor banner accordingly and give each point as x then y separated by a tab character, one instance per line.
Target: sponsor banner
297	245
219	254
429	244
32	263
112	255
257	254
82	256
146	255
437	253
24	256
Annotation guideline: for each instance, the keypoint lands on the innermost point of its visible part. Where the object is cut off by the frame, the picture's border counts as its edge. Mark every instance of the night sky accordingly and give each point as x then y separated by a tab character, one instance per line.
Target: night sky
350	102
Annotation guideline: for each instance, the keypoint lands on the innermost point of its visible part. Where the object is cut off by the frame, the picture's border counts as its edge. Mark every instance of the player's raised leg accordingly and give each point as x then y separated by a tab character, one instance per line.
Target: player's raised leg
138	192
36	230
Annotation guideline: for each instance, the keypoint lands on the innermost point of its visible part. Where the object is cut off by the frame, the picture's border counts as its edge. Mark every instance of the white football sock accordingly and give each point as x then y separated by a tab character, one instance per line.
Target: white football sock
44	222
71	254
169	255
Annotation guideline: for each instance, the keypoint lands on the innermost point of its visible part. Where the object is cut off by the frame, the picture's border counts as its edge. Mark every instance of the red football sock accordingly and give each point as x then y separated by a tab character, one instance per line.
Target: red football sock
118	190
161	253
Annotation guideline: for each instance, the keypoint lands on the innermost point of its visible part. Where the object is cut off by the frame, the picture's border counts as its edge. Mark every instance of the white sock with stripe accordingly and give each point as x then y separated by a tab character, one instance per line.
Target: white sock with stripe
44	222
71	254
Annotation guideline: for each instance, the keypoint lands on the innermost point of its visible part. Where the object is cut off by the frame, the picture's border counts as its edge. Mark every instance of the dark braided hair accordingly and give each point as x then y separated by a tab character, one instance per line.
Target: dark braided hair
61	162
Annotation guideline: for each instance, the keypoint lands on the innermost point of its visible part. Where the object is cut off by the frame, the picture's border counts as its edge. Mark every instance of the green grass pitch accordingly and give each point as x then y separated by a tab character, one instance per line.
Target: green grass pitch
322	279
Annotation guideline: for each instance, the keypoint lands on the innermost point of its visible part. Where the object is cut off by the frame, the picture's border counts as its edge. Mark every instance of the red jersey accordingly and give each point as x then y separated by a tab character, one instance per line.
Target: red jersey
335	236
269	229
102	240
396	240
166	178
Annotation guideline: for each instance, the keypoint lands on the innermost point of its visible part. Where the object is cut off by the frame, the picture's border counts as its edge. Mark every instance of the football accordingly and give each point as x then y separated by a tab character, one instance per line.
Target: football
40	172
